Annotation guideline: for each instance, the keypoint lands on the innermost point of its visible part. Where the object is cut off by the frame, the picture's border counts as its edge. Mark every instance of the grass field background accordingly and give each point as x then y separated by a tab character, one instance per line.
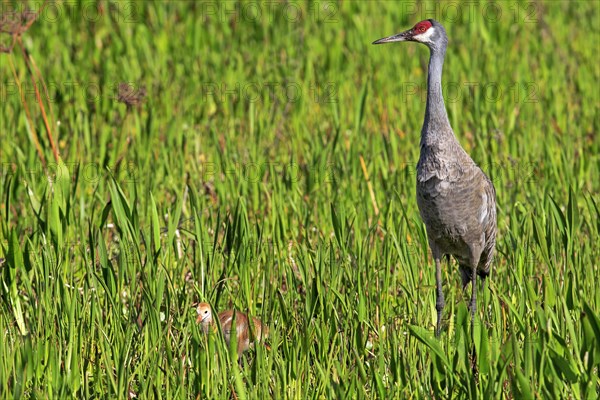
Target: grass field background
271	167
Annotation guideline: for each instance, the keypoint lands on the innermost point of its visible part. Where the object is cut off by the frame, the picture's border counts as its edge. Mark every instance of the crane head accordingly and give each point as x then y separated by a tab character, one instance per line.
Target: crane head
428	32
204	314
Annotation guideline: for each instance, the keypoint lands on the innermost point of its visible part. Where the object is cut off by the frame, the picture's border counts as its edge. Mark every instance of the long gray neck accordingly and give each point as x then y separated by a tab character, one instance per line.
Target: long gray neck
436	126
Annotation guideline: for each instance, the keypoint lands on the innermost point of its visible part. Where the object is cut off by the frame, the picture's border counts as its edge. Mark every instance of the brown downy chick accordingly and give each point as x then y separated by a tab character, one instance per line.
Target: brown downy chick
259	330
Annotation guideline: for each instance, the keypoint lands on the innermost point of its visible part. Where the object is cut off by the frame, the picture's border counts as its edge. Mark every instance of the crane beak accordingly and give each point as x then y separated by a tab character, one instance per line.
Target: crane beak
400	37
200	319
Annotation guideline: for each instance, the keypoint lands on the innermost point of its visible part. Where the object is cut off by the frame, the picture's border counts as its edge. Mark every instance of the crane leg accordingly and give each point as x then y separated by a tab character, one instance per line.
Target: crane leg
439	303
473	305
474	261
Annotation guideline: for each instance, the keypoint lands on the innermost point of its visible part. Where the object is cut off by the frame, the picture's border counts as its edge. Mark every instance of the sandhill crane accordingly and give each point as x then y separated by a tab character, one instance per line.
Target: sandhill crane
456	200
242	327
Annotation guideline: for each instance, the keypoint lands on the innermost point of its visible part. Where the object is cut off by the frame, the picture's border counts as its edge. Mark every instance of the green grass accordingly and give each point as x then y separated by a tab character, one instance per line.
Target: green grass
239	181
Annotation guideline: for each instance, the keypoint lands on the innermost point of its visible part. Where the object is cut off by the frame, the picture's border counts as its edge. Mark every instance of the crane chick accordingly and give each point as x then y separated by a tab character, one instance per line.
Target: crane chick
243	331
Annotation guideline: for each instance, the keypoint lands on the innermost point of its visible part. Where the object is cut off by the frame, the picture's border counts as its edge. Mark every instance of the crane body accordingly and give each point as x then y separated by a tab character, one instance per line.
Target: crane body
456	200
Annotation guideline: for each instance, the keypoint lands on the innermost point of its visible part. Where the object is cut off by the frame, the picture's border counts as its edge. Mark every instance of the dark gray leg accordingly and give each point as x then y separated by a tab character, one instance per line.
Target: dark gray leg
473	305
474	259
439	303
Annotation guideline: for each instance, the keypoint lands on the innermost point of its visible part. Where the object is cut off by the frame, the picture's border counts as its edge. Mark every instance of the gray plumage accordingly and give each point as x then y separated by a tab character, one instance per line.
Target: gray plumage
456	200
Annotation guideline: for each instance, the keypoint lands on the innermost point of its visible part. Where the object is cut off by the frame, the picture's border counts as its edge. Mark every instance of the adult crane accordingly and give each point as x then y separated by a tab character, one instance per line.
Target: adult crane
456	200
